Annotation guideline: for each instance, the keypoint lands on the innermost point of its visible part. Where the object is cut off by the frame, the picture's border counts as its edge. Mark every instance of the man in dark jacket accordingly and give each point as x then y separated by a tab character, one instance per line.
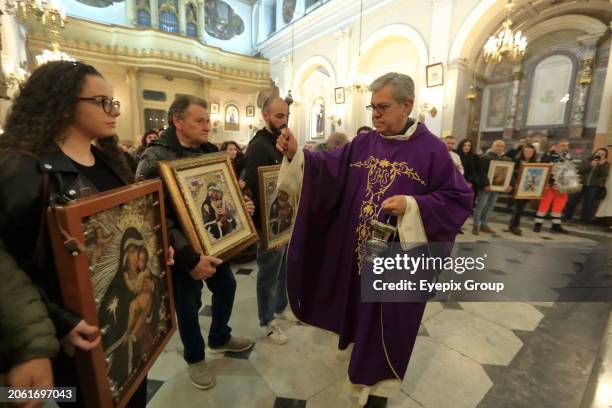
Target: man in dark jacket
187	135
27	335
271	293
486	197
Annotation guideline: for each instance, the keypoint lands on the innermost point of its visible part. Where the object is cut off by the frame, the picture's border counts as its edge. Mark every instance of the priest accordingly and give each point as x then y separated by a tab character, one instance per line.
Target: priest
399	173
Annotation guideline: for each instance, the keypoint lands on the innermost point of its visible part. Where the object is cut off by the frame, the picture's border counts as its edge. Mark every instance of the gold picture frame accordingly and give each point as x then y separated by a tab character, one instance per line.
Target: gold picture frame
500	175
532	181
278	209
208	203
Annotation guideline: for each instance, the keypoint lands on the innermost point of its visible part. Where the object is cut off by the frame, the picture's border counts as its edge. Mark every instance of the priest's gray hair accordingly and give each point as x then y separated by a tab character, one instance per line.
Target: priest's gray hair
404	85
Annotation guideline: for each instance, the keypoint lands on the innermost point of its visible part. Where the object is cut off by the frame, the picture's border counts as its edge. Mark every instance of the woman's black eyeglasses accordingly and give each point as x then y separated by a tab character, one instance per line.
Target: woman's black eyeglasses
108	104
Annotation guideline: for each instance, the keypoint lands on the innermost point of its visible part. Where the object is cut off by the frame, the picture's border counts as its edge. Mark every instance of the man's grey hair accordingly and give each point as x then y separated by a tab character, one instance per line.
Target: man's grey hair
404	85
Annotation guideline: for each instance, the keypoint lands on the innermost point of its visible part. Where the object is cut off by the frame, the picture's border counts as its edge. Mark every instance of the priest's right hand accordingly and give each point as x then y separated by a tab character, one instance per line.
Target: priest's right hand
80	337
286	143
205	268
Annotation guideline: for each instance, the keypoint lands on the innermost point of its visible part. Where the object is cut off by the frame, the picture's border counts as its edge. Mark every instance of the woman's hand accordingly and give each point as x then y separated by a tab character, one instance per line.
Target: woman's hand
79	338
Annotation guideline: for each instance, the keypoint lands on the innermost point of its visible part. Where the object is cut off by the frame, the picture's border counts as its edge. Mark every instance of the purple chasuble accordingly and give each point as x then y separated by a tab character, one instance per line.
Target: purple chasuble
341	191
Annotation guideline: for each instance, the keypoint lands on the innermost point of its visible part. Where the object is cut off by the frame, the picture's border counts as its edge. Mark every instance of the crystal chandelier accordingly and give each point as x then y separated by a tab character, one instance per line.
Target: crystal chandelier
52	18
506	44
22	9
55	55
14	74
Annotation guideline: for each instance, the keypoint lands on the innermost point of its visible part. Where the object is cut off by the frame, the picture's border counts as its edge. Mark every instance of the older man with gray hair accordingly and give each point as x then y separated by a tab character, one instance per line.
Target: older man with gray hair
399	173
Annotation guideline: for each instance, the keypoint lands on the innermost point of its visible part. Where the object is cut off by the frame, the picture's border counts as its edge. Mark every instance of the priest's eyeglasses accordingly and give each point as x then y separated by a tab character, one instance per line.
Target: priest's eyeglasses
108	104
381	107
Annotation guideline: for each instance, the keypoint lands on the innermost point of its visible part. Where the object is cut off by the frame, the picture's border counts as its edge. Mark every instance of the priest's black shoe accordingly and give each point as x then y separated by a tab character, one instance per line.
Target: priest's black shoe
376	402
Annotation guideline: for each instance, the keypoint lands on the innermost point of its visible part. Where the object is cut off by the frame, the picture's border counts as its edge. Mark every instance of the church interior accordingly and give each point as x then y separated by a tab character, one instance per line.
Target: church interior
484	70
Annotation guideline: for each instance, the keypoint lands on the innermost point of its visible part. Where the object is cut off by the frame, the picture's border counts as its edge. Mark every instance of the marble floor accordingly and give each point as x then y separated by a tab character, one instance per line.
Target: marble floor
541	354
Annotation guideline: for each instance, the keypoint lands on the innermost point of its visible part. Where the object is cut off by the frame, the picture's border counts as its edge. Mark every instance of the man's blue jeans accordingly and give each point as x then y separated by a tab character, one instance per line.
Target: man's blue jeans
188	300
271	283
486	203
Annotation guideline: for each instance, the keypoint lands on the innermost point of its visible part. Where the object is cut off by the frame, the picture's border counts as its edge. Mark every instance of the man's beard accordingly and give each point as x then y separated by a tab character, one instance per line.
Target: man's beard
276	131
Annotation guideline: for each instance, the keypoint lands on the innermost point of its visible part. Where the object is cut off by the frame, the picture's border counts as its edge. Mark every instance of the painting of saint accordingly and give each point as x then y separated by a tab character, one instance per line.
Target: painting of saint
281	214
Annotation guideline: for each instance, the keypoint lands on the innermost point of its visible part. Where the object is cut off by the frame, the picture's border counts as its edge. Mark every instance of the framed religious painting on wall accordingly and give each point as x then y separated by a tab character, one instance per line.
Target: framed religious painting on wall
110	252
232	118
435	75
210	208
279	209
500	175
250	111
532	180
214	108
339	95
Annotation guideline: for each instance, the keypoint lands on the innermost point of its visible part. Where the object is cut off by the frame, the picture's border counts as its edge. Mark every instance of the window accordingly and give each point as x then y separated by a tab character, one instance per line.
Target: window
154	95
550	94
143	13
192	20
155	118
168	16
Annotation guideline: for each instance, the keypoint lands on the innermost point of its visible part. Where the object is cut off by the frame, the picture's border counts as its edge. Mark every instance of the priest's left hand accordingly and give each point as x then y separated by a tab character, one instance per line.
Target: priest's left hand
248	203
395	205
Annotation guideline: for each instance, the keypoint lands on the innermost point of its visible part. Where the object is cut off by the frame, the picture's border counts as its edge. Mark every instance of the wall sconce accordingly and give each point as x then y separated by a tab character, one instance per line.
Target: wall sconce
427	108
335	120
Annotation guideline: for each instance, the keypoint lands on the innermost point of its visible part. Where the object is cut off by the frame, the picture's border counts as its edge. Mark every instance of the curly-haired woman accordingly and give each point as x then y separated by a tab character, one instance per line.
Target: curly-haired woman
59	144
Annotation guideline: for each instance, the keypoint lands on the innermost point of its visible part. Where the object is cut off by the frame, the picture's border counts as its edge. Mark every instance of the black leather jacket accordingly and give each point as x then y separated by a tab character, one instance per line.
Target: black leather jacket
169	148
22	212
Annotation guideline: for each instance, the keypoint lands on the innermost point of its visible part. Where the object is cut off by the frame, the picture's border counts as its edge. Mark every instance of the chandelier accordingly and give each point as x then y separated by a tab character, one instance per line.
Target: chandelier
13	74
55	55
506	43
52	18
23	9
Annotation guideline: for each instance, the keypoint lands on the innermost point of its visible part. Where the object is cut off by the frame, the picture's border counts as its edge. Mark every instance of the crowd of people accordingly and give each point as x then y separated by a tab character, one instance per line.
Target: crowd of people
60	144
593	172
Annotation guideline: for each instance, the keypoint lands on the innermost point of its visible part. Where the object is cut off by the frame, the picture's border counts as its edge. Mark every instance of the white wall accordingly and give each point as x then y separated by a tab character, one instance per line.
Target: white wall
114	14
223	98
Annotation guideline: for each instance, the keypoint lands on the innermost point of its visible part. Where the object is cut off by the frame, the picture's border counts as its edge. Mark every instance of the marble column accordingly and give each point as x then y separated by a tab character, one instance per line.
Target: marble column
135	106
154	13
205	89
517	75
130	12
584	78
458	79
201	21
3	85
182	18
603	135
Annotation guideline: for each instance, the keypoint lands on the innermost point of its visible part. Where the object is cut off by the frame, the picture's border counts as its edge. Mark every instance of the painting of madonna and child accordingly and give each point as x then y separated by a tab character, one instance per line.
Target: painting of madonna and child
130	286
209	204
280	209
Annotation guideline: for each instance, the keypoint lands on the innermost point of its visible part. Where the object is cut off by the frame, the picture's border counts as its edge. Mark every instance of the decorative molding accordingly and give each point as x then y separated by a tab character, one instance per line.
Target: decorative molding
144	57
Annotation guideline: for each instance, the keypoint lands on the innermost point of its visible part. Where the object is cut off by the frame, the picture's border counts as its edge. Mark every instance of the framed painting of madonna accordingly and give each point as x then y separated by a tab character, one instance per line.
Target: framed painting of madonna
209	205
111	257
